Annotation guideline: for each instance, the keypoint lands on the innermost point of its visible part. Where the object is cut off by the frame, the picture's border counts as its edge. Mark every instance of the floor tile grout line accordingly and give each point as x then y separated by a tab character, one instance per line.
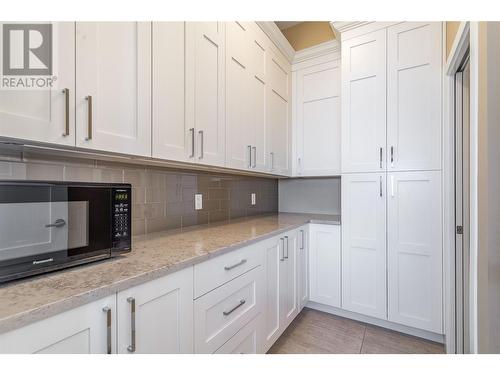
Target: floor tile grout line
362	341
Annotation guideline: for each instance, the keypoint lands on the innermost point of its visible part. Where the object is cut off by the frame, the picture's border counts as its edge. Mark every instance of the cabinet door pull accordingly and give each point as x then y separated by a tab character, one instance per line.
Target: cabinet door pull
392	156
272	160
107	310
380	185
302	244
202	141
241	262
254	156
66	112
286	256
282	257
131	347
229	312
249	147
89	117
381	158
192	142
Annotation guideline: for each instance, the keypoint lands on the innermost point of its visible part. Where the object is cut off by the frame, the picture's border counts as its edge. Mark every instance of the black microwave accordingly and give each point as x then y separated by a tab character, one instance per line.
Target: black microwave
45	226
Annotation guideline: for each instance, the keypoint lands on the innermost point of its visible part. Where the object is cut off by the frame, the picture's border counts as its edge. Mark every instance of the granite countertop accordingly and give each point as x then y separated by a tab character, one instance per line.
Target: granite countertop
154	255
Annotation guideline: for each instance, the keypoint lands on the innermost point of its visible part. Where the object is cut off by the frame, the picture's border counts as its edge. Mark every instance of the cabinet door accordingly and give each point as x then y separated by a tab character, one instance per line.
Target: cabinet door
246	341
45	115
278	114
88	329
415	253
239	130
272	309
318	120
364	103
364	244
289	279
414	96
205	90
303	267
113	86
171	139
157	317
325	264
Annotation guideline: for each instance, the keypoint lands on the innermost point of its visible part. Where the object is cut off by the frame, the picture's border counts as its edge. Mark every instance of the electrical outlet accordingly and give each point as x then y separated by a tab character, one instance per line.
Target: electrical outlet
198	201
254	199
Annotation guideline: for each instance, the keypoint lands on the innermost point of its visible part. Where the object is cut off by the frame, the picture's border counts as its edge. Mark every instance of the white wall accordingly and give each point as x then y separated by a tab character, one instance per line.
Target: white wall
310	195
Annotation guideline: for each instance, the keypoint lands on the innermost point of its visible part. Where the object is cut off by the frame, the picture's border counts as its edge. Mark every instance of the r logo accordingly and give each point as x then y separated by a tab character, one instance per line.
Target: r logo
27	49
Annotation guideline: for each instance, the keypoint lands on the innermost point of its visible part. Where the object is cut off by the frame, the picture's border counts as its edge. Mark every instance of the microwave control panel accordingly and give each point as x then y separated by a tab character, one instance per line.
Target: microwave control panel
121	208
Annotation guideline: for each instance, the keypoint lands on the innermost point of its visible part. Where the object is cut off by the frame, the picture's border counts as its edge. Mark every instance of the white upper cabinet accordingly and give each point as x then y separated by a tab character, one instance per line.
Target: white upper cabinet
325	264
205	71
414	96
157	317
113	86
45	115
278	112
318	119
364	103
246	92
415	253
171	138
364	244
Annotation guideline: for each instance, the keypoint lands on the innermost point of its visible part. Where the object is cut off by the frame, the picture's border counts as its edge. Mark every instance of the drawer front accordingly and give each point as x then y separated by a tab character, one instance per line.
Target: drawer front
244	342
213	273
220	314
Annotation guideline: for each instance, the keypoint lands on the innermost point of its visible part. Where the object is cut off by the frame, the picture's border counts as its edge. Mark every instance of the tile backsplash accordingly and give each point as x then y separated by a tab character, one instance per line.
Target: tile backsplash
161	198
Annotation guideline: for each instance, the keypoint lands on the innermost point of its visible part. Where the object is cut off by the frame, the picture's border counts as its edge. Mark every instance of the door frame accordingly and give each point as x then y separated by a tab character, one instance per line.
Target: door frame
465	40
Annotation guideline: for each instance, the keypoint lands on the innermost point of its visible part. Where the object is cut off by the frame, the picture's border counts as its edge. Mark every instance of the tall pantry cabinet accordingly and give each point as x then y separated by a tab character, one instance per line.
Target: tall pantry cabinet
391	175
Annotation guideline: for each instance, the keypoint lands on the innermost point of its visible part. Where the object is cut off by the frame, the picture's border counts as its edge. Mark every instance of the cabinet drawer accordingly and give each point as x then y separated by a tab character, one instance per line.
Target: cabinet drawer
220	314
244	342
213	273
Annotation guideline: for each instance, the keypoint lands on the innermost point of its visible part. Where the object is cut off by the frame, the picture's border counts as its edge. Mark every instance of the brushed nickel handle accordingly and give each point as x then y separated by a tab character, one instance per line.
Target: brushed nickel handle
302	244
380	185
202	141
282	257
66	112
241	262
56	224
254	156
89	117
286	256
131	347
192	143
249	147
107	310
381	158
272	161
392	156
229	312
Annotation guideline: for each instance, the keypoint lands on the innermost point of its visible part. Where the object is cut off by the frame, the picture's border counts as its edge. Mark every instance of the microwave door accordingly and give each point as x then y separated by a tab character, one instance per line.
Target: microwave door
33	229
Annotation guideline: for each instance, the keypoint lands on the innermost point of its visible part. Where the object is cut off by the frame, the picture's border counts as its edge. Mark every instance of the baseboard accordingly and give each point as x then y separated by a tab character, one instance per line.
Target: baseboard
377	322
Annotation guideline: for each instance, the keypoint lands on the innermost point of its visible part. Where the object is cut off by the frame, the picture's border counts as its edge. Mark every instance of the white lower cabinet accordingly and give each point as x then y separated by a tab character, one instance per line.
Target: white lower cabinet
223	312
325	264
246	341
88	329
414	245
364	244
303	266
157	317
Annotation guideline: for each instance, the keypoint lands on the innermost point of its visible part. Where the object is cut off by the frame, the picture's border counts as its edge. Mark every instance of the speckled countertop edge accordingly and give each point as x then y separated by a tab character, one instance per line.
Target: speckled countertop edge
124	271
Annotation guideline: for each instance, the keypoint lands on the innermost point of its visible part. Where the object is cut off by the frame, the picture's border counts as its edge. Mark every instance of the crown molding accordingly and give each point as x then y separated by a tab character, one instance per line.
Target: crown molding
277	37
340	27
329	47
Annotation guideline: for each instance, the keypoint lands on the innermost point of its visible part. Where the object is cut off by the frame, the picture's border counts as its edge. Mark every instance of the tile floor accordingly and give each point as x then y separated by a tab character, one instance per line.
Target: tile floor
315	332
